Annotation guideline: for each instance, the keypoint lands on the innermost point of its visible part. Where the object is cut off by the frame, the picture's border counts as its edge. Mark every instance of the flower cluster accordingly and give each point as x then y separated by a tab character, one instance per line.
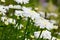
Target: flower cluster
22	1
28	14
8	20
45	34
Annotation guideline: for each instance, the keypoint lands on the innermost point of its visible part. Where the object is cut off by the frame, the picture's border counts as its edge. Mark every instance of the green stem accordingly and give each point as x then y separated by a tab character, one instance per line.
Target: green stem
40	34
19	22
2	36
26	28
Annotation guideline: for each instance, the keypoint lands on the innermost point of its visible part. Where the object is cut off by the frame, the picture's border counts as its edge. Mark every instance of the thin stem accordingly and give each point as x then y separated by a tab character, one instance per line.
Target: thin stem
45	15
40	34
26	28
19	22
4	27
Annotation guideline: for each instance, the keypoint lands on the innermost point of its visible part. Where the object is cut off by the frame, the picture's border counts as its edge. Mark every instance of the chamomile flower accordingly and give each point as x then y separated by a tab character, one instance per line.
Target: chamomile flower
3	18
19	13
22	1
10	20
36	34
46	35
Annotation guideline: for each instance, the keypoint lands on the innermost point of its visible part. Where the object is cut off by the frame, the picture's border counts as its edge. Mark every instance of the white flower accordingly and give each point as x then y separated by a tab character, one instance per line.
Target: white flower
48	25
17	7
19	13
6	7
6	23
10	20
26	1
42	14
26	11
36	8
10	6
14	6
36	34
19	1
34	15
53	38
26	8
52	14
2	0
46	35
39	22
22	1
43	23
2	9
3	18
52	21
55	27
